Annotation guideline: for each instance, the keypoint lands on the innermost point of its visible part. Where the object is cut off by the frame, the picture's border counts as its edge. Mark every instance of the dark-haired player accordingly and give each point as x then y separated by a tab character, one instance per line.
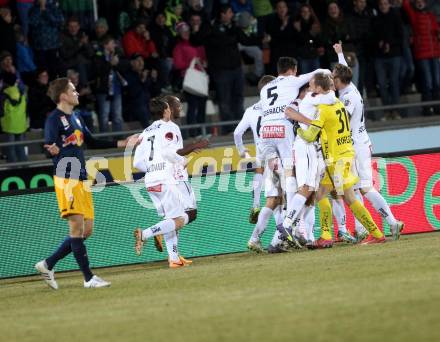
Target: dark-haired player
181	174
157	156
276	133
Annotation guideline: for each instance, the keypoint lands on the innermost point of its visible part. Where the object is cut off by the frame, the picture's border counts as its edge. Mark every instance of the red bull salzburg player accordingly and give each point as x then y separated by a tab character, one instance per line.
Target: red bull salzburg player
64	135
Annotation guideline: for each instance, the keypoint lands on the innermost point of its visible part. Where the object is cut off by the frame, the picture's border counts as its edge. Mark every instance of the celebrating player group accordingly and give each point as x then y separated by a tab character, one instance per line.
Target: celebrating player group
311	147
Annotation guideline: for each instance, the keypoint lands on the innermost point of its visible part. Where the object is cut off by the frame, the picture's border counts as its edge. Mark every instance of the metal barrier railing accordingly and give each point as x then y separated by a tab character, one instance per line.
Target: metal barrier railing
203	127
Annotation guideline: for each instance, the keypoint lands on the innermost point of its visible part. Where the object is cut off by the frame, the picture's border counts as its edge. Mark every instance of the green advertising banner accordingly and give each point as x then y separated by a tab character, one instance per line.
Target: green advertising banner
30	227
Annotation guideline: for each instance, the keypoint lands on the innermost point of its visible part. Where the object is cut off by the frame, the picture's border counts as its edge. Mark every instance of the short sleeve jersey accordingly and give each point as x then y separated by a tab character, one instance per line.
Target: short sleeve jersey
68	132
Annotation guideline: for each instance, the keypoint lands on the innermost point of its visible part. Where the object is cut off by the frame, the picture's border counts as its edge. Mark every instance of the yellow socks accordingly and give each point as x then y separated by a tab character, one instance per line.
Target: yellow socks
364	217
325	213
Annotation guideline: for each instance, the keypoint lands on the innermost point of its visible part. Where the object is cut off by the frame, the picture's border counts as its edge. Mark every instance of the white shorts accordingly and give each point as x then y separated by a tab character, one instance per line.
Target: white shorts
167	199
306	164
276	140
272	185
362	166
188	196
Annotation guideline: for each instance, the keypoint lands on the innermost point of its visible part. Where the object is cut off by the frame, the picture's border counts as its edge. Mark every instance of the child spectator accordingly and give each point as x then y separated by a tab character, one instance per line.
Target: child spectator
173	14
14	121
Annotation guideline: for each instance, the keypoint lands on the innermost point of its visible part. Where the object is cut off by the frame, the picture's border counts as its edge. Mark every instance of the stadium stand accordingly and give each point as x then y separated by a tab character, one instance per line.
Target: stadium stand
45	39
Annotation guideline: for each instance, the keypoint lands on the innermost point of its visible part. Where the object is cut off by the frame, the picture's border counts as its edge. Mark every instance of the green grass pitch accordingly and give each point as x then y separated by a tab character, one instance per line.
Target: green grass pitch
388	292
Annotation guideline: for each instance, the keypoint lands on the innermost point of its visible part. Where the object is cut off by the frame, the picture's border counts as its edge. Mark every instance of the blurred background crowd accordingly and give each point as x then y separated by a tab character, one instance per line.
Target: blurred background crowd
120	53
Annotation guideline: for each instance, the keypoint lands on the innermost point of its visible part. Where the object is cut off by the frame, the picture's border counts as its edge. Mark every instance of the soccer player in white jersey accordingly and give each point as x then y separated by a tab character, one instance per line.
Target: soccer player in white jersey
156	156
276	133
307	218
307	168
252	119
353	102
183	185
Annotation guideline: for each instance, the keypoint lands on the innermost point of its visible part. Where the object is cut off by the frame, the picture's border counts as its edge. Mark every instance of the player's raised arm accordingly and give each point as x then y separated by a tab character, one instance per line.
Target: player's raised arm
338	49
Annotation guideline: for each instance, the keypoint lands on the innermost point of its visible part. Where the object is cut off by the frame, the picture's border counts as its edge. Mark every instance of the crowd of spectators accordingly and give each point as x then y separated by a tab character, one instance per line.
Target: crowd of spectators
141	48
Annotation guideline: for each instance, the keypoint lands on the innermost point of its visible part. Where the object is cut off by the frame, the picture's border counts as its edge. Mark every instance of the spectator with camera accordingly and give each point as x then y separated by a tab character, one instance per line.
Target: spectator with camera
108	85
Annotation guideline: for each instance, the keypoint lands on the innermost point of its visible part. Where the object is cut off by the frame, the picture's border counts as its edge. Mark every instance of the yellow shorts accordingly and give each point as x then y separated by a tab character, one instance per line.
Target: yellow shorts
339	175
74	198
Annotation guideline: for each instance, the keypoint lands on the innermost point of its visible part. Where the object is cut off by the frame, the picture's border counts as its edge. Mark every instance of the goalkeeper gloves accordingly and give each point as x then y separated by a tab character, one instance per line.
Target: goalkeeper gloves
310	133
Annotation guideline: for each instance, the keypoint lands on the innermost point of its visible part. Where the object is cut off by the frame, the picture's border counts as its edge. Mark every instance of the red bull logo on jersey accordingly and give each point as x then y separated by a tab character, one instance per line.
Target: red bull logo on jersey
273	131
76	138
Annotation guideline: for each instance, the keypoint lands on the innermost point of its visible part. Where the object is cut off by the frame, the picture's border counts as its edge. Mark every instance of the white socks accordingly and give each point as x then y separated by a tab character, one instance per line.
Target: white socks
162	227
260	227
171	240
339	213
278	215
294	207
257	184
381	206
309	222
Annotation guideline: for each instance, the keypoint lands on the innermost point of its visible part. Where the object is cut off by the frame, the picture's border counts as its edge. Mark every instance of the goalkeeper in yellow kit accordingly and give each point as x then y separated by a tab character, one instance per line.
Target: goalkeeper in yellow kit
332	125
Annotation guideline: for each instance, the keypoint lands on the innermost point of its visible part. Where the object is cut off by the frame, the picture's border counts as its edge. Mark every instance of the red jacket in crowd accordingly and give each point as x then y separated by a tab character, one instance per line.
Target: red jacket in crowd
426	30
183	54
135	43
